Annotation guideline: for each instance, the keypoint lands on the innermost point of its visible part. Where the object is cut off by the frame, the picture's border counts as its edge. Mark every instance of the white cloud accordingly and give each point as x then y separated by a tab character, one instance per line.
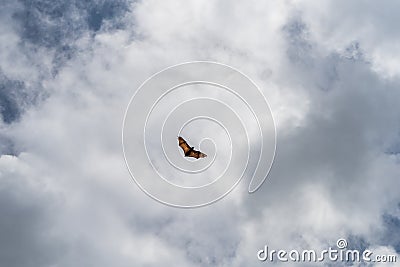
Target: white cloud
335	119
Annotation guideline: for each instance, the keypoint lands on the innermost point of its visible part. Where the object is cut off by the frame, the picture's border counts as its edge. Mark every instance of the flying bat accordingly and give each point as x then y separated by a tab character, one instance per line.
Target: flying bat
189	151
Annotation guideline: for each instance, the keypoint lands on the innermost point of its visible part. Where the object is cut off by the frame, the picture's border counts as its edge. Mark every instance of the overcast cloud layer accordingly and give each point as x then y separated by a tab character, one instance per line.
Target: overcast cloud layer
329	69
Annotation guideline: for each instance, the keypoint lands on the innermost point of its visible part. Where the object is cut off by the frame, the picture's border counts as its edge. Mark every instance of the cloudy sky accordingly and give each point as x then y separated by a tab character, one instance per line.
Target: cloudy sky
329	69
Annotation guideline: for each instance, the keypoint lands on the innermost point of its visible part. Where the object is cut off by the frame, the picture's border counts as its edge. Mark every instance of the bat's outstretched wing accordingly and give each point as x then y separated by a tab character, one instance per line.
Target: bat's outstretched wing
182	143
189	151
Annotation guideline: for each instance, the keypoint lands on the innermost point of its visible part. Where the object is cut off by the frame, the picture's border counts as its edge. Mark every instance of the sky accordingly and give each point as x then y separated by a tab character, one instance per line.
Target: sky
330	71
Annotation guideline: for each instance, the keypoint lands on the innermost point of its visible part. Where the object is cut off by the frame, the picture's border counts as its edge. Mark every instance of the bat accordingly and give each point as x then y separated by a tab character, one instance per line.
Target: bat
189	151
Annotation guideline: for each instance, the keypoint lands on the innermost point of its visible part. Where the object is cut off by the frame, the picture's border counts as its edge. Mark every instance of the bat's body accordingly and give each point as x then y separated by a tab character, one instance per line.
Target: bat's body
190	151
